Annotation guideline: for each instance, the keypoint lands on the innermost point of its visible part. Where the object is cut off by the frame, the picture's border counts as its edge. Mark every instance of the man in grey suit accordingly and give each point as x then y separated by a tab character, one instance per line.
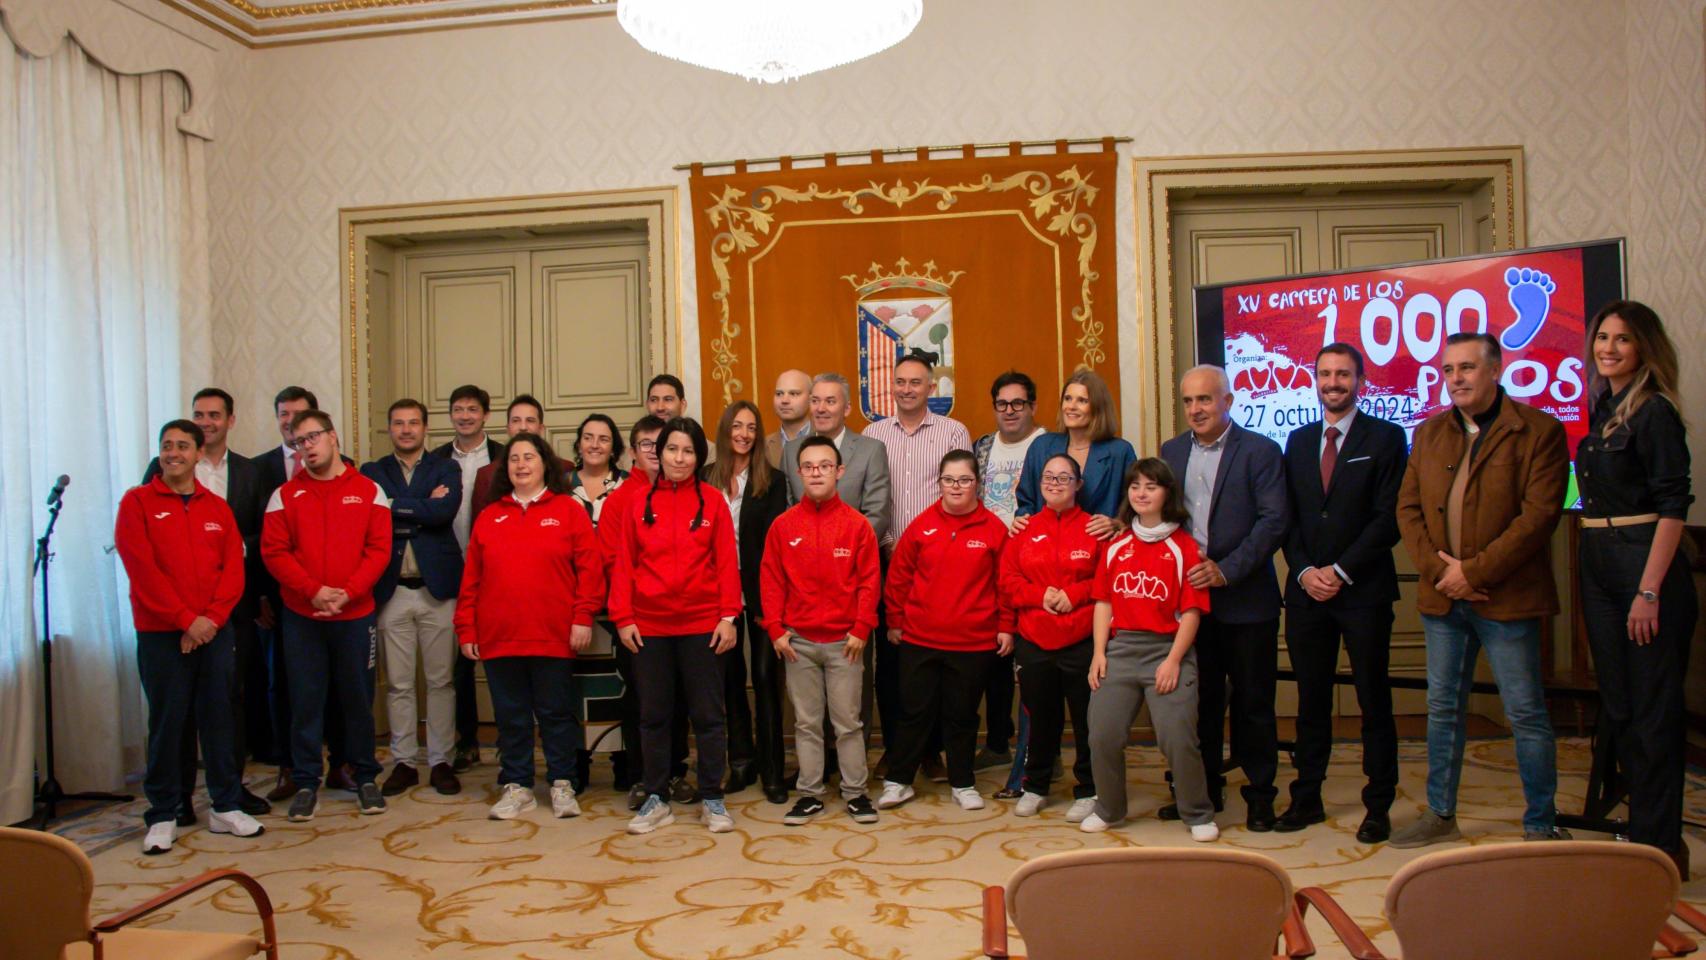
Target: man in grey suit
1234	485
865	485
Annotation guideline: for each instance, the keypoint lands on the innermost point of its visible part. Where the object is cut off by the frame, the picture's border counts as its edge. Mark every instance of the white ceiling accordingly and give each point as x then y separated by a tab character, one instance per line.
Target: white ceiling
273	22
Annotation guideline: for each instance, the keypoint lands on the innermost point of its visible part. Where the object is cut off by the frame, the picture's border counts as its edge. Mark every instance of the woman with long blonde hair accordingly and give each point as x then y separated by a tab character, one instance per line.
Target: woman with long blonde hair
1638	596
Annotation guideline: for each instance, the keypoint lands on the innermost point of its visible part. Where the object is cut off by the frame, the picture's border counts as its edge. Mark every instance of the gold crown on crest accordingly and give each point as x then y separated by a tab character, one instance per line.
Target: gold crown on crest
903	278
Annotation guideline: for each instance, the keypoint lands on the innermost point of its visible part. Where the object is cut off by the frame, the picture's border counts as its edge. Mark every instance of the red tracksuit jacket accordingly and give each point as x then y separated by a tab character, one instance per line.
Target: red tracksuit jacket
1145	582
1054	550
184	560
611	519
820	576
327	533
942	580
671	580
531	572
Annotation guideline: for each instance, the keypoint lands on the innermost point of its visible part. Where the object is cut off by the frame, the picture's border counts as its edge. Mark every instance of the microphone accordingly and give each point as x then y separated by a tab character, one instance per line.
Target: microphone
59	489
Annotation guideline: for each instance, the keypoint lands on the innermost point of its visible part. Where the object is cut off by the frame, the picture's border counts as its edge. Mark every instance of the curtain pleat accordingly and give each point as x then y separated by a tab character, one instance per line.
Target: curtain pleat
104	242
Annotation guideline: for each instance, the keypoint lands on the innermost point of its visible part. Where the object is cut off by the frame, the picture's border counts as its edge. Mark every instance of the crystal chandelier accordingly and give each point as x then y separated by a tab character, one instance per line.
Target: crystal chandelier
768	40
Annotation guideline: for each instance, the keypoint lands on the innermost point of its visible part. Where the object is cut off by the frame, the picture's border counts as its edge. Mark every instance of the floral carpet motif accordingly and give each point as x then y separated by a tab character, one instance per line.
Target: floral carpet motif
434	877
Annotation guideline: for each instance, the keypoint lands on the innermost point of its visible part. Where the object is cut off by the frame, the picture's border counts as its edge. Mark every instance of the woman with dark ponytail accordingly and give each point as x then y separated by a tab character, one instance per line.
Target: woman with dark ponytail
674	595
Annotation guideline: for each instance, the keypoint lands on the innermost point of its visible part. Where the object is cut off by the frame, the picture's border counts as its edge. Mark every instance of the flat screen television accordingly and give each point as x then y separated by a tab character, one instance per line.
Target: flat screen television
1536	302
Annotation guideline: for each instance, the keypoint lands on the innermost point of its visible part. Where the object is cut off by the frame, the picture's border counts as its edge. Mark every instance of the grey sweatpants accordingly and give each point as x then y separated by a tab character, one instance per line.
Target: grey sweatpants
823	679
1132	659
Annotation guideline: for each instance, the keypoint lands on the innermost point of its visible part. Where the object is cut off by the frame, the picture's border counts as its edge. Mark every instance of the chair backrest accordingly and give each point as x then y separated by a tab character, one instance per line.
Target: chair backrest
1557	899
45	886
1203	903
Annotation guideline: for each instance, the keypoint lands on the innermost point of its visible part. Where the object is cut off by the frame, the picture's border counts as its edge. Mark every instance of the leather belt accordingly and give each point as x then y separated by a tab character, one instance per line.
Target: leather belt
417	583
1631	521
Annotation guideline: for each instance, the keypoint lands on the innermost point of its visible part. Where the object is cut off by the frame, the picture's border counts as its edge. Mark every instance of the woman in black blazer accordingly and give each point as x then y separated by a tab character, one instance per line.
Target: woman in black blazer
757	495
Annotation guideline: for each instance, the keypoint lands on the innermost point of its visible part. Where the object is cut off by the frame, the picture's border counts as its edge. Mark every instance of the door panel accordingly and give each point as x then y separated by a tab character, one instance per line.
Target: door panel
465	320
1231	245
590	325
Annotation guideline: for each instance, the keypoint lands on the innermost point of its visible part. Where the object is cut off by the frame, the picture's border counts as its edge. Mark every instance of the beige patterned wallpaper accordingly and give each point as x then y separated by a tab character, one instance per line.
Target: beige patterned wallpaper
1607	98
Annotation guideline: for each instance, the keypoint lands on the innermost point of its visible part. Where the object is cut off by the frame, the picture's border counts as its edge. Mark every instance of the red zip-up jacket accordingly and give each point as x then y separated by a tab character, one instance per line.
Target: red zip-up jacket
671	580
820	577
612	520
1054	550
942	580
531	572
327	533
184	560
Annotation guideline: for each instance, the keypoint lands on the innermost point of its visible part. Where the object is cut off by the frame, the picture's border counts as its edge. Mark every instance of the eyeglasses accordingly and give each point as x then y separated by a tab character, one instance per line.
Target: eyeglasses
958	482
646	446
1003	406
303	441
817	469
1058	479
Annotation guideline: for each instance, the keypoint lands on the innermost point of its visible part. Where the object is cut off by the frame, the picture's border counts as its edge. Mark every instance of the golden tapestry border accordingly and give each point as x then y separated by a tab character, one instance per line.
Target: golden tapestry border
1056	206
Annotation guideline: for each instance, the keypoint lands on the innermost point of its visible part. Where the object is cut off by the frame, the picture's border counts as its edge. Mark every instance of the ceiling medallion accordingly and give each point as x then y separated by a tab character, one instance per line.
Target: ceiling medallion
769	41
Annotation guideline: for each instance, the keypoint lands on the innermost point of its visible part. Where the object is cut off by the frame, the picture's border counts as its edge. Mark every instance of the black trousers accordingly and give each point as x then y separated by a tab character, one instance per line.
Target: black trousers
1313	632
634	754
1244	657
1640	687
529	689
755	728
1047	680
250	713
998	704
467	703
271	642
938	686
172	683
669	670
331	661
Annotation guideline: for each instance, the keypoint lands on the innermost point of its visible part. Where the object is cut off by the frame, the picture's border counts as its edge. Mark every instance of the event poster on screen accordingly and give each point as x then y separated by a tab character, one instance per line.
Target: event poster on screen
1534	302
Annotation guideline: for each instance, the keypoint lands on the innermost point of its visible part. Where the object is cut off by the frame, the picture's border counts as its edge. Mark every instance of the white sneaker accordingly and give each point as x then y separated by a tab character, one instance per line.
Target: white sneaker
1080	809
563	802
894	794
1029	804
654	814
716	816
159	838
236	822
1205	832
968	798
1093	824
516	800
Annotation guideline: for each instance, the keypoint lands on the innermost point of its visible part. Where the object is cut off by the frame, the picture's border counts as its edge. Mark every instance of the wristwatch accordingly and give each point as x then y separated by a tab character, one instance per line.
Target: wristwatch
1649	596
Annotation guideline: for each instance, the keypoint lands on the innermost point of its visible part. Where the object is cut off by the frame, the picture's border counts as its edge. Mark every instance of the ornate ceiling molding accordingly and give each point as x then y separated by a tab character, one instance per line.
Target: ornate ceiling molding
263	23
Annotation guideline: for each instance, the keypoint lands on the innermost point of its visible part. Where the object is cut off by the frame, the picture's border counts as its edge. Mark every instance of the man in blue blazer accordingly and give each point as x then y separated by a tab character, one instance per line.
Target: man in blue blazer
1342	475
417	598
1234	486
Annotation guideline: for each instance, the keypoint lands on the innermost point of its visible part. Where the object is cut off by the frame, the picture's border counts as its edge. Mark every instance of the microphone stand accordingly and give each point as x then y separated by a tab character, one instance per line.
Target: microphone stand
49	795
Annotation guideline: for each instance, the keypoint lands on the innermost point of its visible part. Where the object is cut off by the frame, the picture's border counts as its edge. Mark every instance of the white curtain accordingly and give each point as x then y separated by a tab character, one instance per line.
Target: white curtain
103	247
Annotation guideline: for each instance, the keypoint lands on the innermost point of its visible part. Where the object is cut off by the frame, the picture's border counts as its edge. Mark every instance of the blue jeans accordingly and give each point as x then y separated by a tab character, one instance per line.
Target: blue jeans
1513	651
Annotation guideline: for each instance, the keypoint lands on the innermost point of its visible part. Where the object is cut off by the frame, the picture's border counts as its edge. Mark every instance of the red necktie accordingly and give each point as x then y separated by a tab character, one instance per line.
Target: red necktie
296	462
1329	457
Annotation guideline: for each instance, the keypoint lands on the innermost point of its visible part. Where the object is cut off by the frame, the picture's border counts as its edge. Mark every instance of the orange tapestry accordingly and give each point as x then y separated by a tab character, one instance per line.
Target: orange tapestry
989	263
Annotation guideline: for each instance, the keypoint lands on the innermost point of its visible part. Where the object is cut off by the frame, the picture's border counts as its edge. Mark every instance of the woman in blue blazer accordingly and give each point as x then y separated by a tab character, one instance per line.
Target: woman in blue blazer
1089	433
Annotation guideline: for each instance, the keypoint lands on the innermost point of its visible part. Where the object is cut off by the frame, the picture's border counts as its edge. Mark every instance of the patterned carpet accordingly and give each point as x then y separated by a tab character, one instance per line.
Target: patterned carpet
434	878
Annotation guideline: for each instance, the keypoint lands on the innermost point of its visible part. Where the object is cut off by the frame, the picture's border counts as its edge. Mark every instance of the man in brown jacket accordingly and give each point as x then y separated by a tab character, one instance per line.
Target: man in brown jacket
1480	498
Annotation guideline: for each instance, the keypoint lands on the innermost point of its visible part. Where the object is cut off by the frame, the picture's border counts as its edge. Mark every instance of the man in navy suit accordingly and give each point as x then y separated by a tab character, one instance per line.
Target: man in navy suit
1234	485
417	598
1342	475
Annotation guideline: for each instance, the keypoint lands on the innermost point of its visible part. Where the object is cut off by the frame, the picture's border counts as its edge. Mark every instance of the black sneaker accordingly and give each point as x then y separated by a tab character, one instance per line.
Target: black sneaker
681	791
860	809
368	799
804	810
186	816
303	805
636	796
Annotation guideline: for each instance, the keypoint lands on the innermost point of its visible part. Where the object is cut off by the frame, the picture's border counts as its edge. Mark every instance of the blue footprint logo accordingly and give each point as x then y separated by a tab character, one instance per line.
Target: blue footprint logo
1531	297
